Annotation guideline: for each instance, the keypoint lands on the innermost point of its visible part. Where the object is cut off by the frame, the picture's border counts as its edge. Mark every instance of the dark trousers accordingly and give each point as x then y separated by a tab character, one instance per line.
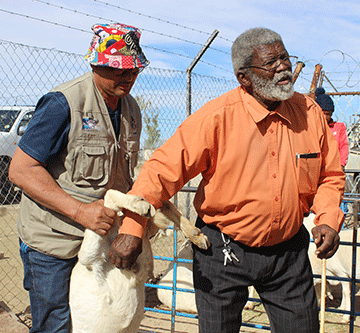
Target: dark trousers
281	275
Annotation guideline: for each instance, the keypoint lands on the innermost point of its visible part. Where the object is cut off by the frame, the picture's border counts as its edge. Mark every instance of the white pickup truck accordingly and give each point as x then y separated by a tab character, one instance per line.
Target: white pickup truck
13	122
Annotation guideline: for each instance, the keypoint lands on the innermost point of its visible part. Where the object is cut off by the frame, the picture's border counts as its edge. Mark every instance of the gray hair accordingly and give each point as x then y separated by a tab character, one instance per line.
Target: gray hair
242	49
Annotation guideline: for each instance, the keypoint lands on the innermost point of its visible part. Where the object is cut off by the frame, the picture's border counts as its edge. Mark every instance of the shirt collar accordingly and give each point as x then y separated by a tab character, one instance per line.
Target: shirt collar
258	112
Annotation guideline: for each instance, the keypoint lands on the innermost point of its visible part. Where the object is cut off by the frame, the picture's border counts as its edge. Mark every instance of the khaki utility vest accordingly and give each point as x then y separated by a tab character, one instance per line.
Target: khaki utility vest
93	162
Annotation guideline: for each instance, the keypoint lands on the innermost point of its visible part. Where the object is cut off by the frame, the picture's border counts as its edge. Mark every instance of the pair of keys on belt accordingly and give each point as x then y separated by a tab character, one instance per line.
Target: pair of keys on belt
228	252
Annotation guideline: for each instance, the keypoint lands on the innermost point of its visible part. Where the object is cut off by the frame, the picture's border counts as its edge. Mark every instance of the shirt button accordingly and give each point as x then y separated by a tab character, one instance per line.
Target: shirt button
276	199
273	153
271	131
274	175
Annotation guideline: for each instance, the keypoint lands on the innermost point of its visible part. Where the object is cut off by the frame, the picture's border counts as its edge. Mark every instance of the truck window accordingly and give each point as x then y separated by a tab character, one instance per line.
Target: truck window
24	122
7	119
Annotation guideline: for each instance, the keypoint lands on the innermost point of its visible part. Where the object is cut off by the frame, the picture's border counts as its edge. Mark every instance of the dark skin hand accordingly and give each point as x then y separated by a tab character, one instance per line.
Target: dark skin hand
326	239
124	250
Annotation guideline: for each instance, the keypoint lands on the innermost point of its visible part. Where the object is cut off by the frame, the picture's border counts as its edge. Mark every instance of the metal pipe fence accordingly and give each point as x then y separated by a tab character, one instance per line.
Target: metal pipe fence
349	198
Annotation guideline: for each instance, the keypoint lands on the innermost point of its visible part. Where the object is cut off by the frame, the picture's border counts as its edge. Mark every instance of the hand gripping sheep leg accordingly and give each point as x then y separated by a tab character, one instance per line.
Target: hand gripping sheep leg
104	299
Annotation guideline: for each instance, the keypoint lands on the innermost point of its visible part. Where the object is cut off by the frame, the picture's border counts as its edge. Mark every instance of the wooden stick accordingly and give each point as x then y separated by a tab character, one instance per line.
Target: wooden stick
298	68
323	292
315	80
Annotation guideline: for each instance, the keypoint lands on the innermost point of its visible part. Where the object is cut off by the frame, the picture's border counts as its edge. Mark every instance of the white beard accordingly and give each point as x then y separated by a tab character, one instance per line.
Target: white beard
269	90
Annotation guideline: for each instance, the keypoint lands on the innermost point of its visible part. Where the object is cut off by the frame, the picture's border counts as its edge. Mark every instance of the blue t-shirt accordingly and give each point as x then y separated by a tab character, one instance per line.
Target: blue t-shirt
48	130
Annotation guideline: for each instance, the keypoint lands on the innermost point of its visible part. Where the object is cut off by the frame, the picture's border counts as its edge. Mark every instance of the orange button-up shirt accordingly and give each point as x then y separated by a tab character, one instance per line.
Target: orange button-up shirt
261	170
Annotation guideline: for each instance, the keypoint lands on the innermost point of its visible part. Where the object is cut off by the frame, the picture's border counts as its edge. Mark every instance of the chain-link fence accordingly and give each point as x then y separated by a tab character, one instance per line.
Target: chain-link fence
26	73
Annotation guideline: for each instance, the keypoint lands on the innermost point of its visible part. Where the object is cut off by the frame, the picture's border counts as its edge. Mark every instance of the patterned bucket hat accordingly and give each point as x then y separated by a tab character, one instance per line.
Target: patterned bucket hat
116	45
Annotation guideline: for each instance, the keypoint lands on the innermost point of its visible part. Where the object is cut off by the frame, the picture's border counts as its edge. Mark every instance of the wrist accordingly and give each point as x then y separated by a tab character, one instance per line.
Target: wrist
133	227
78	212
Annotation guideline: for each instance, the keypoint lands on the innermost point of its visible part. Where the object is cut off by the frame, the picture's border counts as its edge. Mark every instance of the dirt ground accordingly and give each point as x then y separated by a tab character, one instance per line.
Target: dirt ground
14	316
161	323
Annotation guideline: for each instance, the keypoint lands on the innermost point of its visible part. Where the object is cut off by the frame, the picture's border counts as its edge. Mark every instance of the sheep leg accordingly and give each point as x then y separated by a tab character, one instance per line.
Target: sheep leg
95	247
117	201
168	212
250	305
346	300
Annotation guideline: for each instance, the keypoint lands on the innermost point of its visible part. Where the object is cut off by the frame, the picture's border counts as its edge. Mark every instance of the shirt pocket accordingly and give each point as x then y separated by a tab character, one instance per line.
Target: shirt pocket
90	166
308	173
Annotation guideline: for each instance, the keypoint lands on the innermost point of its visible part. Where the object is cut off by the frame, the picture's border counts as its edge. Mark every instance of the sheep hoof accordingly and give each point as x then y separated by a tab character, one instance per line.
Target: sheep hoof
198	238
201	241
143	208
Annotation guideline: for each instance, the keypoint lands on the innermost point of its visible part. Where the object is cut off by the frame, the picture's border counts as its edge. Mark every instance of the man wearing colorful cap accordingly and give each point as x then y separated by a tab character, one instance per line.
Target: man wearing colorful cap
82	141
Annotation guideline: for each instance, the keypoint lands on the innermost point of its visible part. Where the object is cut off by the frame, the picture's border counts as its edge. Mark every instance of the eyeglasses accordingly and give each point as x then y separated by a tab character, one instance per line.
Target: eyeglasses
126	72
135	71
272	65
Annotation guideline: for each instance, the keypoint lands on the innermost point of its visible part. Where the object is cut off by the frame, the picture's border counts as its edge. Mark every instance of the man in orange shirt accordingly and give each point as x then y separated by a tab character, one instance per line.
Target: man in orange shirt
267	157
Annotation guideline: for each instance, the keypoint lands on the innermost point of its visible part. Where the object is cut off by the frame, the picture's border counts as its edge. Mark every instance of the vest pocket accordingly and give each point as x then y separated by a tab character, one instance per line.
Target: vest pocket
133	151
308	173
89	166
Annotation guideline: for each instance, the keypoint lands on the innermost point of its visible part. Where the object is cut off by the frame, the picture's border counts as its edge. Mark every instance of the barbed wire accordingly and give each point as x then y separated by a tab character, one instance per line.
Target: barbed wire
160	20
349	80
42	20
349	71
110	20
88	32
336	73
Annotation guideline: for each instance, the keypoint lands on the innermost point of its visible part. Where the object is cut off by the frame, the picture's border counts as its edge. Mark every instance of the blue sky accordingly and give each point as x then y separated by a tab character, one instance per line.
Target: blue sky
316	31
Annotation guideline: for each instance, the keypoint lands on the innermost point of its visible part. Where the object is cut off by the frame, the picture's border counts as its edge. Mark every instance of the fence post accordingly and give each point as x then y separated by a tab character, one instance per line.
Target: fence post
188	96
191	67
353	266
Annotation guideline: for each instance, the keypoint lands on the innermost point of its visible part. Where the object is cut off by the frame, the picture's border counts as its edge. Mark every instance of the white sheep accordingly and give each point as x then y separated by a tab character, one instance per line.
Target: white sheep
104	299
339	265
184	301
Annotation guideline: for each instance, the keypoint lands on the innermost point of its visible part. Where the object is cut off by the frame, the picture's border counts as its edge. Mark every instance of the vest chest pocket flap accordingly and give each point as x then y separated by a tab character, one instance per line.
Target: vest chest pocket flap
90	166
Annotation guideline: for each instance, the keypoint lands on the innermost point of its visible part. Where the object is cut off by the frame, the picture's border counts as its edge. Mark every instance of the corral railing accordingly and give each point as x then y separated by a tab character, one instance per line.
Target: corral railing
351	276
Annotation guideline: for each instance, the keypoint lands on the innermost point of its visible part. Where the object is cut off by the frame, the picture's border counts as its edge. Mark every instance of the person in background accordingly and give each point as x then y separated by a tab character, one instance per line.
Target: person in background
267	158
82	140
337	128
339	131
